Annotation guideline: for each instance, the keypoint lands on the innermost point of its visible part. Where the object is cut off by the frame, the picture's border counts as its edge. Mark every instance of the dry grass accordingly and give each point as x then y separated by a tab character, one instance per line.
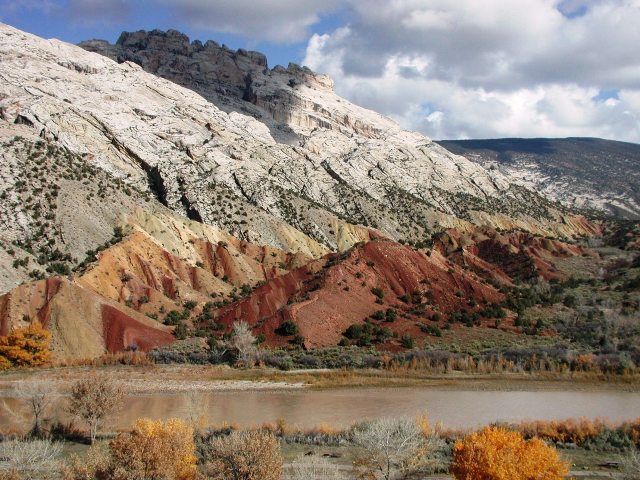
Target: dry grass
158	378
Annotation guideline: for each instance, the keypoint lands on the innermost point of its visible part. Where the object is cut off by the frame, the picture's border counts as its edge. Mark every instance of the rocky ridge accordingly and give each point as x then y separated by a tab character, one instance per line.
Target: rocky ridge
582	173
133	206
178	145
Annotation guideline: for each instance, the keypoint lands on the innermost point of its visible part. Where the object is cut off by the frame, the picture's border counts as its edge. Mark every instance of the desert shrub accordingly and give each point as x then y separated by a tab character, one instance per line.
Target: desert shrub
190	304
31	459
430	329
243	341
391	446
162	356
279	360
610	440
500	454
25	347
154	450
378	292
391	315
250	455
407	341
312	467
631	465
287	328
93	466
367	333
181	331
173	318
492	311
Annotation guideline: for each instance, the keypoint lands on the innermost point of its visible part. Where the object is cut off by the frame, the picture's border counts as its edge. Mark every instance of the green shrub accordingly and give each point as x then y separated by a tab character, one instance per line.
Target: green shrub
431	329
287	328
391	315
181	331
407	341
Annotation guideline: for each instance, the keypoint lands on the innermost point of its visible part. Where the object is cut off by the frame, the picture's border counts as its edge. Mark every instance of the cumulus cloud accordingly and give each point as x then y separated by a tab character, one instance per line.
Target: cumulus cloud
279	21
494	68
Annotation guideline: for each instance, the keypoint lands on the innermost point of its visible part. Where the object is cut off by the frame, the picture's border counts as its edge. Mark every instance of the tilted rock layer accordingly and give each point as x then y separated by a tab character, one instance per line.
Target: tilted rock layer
223	192
587	173
229	167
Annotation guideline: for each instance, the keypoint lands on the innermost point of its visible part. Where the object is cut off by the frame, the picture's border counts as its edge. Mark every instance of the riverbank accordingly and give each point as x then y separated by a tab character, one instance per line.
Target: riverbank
253	397
150	379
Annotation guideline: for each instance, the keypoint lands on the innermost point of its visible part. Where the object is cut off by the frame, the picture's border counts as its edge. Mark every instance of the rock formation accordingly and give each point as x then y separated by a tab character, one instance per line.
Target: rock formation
227	190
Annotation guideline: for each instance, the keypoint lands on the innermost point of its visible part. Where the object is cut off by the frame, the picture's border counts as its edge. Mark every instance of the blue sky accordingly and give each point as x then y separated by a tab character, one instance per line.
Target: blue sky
449	69
59	20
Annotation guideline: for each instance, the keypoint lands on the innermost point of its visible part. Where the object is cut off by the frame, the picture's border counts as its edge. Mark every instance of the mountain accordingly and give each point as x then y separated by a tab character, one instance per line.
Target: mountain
135	206
317	149
585	173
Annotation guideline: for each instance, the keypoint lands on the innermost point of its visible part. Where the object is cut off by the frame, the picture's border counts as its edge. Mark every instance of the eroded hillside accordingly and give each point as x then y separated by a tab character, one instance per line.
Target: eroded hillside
140	212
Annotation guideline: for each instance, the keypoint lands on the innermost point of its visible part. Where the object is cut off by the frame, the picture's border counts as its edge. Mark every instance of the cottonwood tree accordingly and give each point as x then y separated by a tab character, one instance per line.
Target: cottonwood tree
38	395
248	455
244	342
25	347
93	399
497	453
392	446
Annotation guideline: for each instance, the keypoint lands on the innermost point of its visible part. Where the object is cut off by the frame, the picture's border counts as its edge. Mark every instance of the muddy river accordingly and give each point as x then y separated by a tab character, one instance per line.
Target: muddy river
342	407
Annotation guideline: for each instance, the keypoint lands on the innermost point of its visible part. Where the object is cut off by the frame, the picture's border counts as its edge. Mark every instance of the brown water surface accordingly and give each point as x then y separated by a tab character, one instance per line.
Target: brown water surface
342	407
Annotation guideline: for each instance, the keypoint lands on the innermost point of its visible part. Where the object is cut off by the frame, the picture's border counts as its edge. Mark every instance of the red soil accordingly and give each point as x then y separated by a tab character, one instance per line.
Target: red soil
325	300
121	332
508	256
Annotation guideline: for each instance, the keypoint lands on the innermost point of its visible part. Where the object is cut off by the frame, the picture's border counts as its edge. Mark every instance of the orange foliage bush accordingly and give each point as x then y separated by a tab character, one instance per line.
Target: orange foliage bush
632	429
500	454
570	430
155	449
25	347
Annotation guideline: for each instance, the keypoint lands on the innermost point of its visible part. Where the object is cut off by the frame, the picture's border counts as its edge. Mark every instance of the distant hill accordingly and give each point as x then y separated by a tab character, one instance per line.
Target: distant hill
579	172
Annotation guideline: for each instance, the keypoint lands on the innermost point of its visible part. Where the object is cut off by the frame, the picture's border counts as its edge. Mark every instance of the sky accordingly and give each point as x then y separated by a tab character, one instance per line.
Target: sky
451	69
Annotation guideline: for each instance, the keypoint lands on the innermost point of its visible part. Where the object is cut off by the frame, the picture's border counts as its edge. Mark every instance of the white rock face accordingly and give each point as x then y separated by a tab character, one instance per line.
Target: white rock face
292	152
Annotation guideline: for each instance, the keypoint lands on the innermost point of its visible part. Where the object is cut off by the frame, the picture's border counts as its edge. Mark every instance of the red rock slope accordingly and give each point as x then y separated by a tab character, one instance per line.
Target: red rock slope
325	297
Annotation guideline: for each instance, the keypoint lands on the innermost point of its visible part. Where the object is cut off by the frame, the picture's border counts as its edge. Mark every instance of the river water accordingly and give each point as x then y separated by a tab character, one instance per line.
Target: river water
342	407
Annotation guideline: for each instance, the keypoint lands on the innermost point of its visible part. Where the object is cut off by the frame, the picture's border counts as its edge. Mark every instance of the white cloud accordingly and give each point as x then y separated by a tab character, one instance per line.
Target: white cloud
280	21
493	68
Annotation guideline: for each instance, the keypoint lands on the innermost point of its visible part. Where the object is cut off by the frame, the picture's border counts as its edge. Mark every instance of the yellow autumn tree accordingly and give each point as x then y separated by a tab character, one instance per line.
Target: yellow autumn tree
154	450
25	347
500	454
